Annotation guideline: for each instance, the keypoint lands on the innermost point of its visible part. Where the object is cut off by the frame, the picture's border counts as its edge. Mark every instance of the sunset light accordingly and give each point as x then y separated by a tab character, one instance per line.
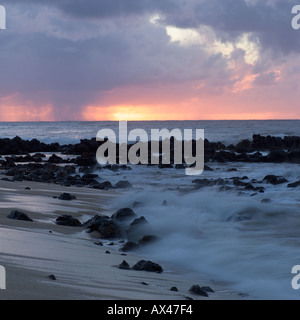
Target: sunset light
158	66
129	113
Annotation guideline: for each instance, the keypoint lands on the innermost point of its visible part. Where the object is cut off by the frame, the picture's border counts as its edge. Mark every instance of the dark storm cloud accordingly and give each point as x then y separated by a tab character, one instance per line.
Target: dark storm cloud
79	49
45	62
106	8
270	21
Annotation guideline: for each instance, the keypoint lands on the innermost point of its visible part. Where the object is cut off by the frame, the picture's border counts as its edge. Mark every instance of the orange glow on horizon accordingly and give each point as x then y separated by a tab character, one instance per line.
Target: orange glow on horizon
16	113
221	107
160	113
210	111
130	113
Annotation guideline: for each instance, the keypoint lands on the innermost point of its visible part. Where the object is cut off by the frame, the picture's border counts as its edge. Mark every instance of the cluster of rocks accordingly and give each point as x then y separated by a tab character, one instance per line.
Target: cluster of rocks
67	175
123	224
285	149
19	146
150	266
77	170
142	265
202	291
243	183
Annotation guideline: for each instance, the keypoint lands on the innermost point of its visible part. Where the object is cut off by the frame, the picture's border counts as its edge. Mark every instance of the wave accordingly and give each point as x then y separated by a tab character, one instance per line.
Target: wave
250	245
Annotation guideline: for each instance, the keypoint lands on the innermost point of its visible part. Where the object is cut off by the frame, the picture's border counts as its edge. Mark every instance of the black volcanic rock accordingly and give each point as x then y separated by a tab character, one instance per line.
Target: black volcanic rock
66	196
274	179
124	265
243	146
196	289
148	239
68	220
149	266
260	143
128	246
294	156
106	185
124	214
106	227
277	156
55	159
123	185
138	229
18	215
174	289
294	184
96	222
19	146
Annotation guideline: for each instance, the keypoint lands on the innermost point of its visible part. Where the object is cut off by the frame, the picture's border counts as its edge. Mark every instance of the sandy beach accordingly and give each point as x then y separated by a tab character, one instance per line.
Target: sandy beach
31	251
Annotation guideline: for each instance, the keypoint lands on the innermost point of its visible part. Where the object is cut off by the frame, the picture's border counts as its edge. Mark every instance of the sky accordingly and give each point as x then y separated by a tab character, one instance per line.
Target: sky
149	60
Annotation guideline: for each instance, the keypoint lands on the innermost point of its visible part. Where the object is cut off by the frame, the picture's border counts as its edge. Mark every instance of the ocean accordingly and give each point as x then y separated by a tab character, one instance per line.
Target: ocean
248	240
227	131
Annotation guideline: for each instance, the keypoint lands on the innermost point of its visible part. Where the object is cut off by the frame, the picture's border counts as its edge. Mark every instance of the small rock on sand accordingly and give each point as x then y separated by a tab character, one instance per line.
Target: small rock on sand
124	265
143	265
66	196
18	215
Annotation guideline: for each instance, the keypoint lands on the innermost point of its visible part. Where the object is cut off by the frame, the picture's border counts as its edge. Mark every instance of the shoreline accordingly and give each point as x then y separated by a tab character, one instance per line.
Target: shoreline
31	251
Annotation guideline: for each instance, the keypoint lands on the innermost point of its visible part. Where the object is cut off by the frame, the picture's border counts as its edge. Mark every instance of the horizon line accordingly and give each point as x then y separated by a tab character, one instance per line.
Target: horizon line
49	121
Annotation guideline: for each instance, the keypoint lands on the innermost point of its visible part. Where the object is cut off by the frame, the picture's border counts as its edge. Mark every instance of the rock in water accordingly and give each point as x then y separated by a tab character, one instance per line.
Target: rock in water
104	225
128	246
123	215
198	290
138	229
66	196
67	220
18	215
123	185
143	265
294	184
148	239
165	203
274	179
55	159
207	289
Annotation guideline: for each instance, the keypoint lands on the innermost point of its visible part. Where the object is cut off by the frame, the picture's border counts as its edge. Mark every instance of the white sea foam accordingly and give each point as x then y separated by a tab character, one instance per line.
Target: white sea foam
230	236
206	232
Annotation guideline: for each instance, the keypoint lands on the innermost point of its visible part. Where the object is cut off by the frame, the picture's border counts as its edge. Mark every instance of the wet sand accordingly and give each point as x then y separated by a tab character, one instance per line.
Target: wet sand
31	251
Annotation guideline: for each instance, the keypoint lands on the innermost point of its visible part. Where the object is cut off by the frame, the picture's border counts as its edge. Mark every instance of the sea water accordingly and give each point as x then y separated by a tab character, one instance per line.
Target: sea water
227	131
230	236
